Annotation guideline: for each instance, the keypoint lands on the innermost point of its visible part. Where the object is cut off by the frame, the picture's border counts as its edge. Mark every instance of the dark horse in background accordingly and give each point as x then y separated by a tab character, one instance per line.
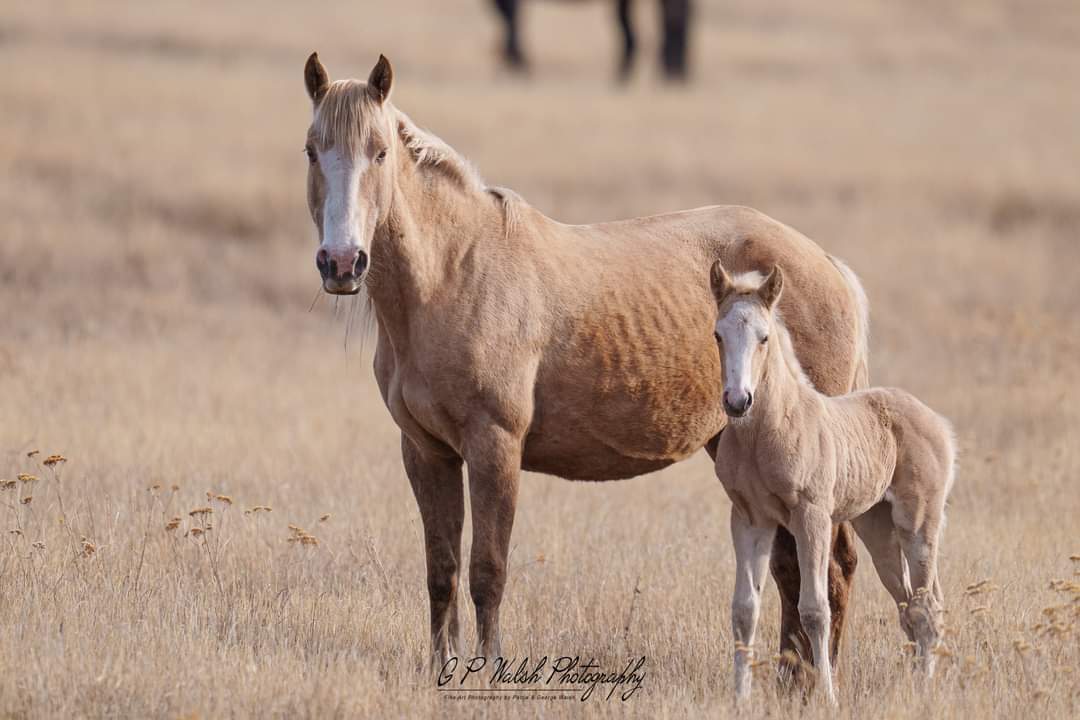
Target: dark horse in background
674	14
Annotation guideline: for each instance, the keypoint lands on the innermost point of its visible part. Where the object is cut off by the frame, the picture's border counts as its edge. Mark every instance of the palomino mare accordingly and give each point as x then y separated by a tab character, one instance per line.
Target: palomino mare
508	340
791	456
675	16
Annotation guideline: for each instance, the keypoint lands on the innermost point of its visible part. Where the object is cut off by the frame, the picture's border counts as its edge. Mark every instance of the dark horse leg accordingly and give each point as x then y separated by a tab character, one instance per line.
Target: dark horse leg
794	645
626	24
675	15
512	54
437	484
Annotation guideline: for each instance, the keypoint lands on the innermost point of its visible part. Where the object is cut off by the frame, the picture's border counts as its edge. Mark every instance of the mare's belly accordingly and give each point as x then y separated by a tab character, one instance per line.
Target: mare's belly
619	426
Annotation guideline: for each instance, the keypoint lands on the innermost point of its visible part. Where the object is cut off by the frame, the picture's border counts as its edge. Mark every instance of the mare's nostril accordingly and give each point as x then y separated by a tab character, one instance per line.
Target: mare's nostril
322	262
749	400
361	263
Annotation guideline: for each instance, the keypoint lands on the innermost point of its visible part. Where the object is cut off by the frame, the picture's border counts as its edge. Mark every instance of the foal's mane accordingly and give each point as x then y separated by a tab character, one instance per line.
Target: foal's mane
746	287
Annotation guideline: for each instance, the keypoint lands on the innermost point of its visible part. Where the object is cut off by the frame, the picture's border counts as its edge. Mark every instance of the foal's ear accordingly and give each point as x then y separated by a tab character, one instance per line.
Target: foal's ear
315	78
772	287
380	80
719	281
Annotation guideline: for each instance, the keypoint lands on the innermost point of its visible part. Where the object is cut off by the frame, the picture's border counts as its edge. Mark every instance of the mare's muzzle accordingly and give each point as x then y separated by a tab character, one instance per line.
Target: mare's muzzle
341	271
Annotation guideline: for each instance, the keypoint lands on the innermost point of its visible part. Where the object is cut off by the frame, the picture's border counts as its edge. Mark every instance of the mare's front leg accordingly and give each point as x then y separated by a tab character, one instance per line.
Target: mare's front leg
812	528
493	455
752	548
439	490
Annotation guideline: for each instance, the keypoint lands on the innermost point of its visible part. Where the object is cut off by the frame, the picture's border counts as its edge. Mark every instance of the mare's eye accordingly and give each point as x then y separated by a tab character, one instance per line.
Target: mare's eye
764	339
380	157
310	151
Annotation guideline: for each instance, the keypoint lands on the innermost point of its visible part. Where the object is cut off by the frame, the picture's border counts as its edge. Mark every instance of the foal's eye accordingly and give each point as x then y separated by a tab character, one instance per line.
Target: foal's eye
310	151
380	157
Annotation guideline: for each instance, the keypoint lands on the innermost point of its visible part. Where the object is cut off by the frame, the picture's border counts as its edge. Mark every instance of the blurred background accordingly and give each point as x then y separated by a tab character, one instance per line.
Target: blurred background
157	281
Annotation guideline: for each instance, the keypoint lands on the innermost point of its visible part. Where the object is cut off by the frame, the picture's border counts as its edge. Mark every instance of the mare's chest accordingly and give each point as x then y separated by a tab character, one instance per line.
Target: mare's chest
434	391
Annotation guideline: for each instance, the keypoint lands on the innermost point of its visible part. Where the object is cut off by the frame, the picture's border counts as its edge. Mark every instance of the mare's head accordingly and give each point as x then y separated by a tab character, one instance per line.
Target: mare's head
350	151
744	324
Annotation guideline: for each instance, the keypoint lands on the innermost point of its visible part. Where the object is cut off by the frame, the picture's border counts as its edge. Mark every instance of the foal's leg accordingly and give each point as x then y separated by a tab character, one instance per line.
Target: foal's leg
924	611
752	548
812	528
875	528
794	645
436	483
494	459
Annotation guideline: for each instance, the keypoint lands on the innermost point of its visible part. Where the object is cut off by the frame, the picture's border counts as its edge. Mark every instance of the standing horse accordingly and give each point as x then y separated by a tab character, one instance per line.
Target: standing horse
507	340
675	17
794	457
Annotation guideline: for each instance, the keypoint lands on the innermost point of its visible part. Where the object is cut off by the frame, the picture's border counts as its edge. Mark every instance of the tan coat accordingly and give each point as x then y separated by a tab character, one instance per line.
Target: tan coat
507	340
797	458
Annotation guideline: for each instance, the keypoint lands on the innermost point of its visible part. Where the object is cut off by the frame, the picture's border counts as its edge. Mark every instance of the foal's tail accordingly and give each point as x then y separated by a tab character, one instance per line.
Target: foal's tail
862	332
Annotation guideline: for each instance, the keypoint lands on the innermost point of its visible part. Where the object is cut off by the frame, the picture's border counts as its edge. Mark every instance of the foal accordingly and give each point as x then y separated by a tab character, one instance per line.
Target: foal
792	456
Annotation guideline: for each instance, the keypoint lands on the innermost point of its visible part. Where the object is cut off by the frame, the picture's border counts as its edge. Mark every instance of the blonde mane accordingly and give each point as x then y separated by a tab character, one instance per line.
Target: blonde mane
340	117
340	120
748	283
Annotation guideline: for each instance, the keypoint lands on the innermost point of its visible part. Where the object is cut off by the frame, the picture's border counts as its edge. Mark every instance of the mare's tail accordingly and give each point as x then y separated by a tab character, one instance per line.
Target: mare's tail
862	333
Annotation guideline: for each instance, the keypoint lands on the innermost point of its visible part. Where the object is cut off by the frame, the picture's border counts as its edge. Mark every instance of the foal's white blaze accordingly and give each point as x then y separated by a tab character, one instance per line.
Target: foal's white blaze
344	212
741	329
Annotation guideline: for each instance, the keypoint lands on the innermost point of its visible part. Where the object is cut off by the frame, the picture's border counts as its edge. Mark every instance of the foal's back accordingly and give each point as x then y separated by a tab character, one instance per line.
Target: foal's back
889	436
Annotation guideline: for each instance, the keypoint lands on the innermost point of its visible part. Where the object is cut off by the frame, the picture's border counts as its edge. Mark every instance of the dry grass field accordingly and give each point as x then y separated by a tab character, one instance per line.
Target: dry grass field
156	273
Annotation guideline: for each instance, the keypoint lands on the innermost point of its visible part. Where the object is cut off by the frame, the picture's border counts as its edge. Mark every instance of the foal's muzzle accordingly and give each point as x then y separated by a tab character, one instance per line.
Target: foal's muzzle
737	404
341	271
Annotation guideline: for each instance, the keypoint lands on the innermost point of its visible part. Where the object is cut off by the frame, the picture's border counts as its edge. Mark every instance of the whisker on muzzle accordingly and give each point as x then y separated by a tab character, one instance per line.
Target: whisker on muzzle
315	300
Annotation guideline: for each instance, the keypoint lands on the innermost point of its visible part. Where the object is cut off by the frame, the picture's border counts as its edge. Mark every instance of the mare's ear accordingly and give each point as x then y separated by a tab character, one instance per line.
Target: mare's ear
380	80
772	287
315	78
720	283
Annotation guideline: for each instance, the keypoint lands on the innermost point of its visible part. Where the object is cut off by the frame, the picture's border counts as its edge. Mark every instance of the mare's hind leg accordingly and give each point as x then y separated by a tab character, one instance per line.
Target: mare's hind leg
752	548
876	530
437	484
925	609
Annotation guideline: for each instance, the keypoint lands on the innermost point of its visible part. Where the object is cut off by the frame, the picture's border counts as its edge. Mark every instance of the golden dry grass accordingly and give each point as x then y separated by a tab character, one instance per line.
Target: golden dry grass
155	274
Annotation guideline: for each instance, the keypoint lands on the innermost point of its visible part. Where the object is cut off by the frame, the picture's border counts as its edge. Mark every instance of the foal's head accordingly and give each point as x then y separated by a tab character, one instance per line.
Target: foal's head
743	328
350	154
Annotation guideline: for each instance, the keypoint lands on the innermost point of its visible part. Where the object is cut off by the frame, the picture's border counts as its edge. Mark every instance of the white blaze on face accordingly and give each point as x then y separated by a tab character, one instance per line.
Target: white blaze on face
741	330
344	212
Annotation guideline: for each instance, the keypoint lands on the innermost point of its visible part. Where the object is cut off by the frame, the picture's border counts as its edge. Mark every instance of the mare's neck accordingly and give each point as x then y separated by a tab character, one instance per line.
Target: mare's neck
433	222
